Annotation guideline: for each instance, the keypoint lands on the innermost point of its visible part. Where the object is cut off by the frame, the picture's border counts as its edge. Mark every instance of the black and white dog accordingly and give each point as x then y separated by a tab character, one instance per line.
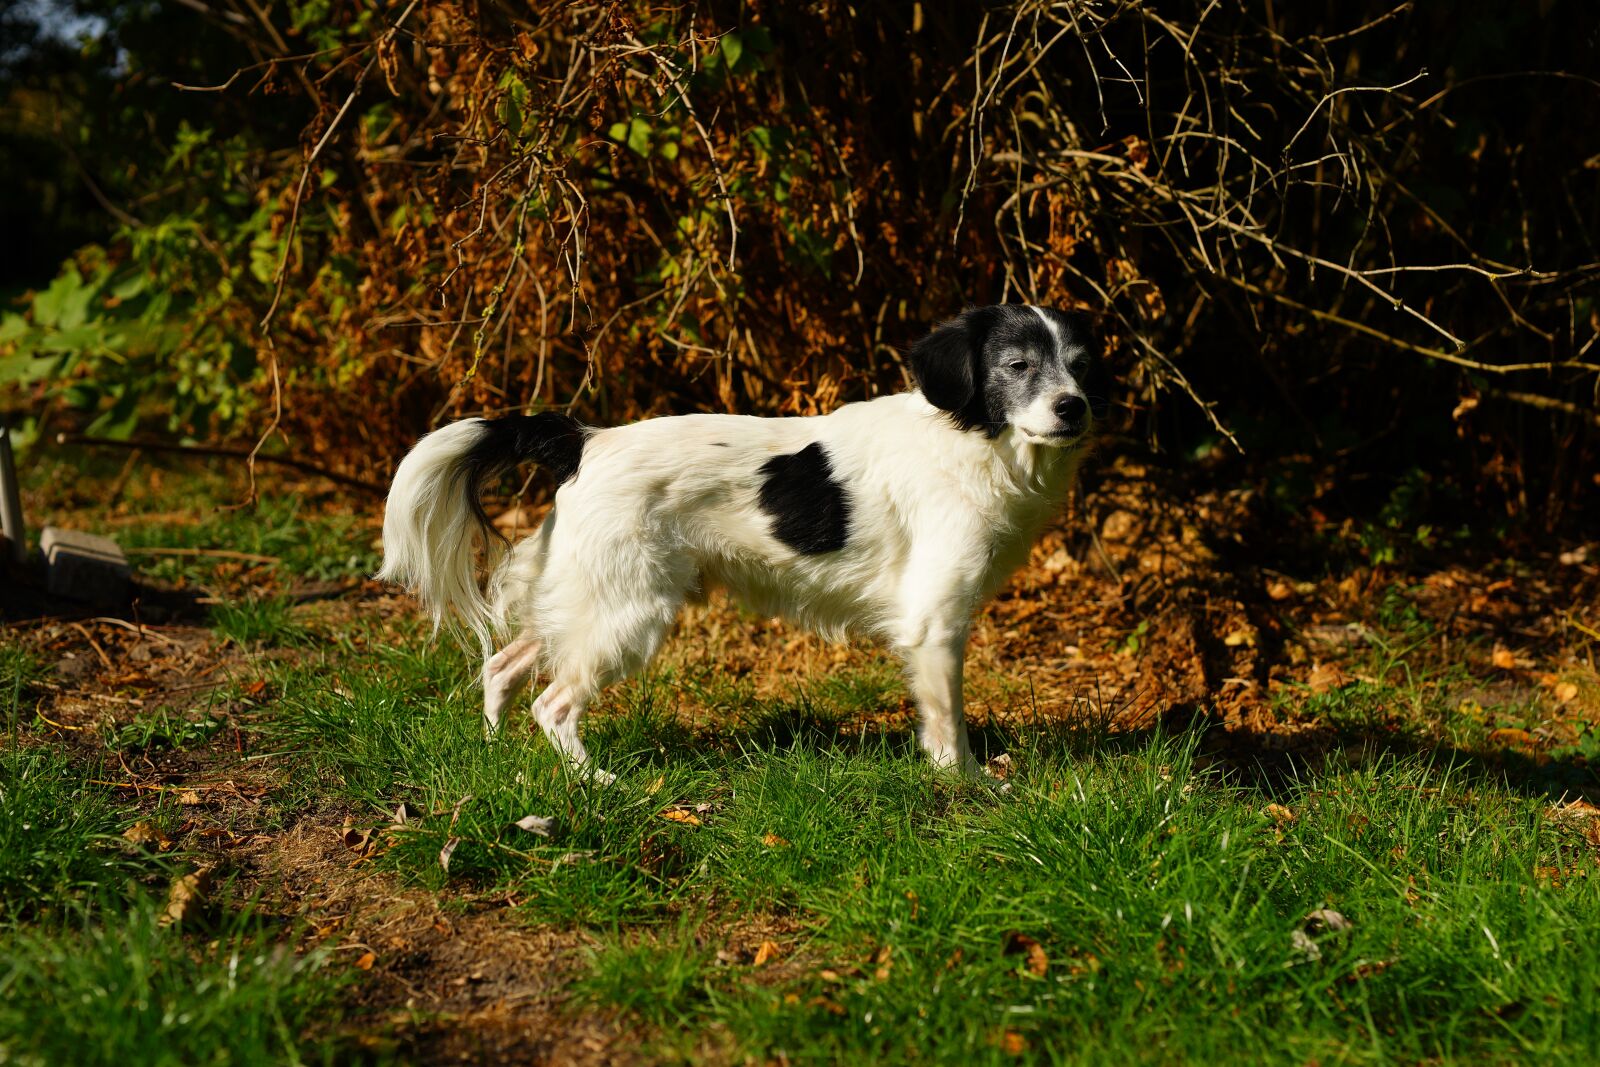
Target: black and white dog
896	518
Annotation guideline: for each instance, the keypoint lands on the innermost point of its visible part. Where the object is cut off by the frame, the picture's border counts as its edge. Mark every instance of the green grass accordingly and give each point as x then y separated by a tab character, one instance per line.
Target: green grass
1124	901
20	671
58	835
157	730
320	547
253	621
88	975
666	982
126	990
1165	898
196	506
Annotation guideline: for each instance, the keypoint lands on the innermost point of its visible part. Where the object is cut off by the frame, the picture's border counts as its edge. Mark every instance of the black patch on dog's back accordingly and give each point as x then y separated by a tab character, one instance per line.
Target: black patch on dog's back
810	511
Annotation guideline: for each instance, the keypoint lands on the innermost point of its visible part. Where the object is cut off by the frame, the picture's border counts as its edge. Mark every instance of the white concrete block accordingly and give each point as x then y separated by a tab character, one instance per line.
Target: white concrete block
83	566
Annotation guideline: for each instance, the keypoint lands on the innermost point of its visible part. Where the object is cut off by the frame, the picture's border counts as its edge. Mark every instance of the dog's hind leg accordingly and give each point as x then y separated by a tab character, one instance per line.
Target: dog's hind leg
504	675
558	710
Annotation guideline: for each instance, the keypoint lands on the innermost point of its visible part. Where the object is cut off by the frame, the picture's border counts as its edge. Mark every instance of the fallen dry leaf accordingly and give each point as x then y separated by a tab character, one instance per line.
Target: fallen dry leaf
774	841
147	835
1279	814
1502	658
1326	677
1566	691
448	851
228	838
366	961
401	815
1580	815
1038	961
1280	590
679	815
1013	1043
187	896
1575	809
768	952
356	839
521	519
189	798
1510	736
571	857
1368	969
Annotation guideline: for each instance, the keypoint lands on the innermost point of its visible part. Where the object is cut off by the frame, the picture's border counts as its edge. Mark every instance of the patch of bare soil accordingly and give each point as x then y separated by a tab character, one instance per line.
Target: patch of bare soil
444	978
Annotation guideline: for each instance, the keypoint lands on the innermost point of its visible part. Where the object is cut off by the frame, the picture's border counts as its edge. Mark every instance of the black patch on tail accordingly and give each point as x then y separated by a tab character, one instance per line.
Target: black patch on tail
550	439
810	511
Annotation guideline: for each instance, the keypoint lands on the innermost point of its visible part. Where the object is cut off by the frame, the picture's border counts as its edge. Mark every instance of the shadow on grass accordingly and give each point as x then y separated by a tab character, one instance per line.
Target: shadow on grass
1267	762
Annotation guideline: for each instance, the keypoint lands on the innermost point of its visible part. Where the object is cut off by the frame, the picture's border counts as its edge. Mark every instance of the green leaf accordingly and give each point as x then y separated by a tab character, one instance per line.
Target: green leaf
76	339
24	368
639	138
118	422
732	48
511	115
65	304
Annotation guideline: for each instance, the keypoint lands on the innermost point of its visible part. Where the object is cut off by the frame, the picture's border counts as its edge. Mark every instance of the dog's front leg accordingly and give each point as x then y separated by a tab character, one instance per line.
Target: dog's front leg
934	671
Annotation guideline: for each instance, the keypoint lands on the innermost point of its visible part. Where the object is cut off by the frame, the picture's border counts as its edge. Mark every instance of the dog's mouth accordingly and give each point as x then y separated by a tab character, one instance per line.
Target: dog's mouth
1054	438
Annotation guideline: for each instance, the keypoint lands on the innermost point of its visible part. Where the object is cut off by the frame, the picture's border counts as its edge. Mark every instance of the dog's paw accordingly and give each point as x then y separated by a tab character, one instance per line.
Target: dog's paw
597	775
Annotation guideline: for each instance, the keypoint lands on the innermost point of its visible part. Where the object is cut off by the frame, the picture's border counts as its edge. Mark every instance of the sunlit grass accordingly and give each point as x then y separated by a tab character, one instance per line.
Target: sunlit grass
1170	904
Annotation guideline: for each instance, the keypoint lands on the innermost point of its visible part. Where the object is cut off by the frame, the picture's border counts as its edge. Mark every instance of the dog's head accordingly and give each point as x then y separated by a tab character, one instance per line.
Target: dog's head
1014	365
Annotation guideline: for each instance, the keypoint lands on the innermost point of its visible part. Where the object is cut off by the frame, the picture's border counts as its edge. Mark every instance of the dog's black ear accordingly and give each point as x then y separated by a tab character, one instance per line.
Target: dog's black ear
948	366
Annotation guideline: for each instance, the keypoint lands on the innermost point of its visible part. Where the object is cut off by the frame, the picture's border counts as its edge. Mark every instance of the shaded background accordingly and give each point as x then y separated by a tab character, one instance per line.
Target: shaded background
1344	253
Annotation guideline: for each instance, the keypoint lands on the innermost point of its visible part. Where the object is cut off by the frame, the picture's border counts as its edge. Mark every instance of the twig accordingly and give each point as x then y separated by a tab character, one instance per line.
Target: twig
290	462
141	630
220	553
1547	403
89	637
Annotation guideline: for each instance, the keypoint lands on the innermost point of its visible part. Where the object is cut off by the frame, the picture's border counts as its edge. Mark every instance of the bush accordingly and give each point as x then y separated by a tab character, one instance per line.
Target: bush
1278	216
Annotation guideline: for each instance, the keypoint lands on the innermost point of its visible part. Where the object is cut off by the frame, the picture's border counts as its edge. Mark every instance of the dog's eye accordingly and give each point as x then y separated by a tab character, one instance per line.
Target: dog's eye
1018	364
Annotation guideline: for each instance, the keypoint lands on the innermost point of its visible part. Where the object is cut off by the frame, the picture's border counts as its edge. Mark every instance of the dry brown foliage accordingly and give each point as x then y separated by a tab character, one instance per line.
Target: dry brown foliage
633	209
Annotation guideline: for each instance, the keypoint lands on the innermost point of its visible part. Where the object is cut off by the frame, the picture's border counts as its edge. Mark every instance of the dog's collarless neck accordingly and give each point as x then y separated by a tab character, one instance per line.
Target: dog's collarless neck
1035	467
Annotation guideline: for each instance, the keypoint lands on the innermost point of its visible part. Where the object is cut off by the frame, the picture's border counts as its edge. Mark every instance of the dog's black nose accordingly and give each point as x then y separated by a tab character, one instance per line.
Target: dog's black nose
1071	408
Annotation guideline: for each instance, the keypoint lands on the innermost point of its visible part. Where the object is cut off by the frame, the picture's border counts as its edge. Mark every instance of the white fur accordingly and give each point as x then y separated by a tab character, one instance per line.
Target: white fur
662	511
429	532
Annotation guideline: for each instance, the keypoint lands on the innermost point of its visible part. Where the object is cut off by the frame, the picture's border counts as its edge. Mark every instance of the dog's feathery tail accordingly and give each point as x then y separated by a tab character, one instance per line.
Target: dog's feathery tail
435	517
